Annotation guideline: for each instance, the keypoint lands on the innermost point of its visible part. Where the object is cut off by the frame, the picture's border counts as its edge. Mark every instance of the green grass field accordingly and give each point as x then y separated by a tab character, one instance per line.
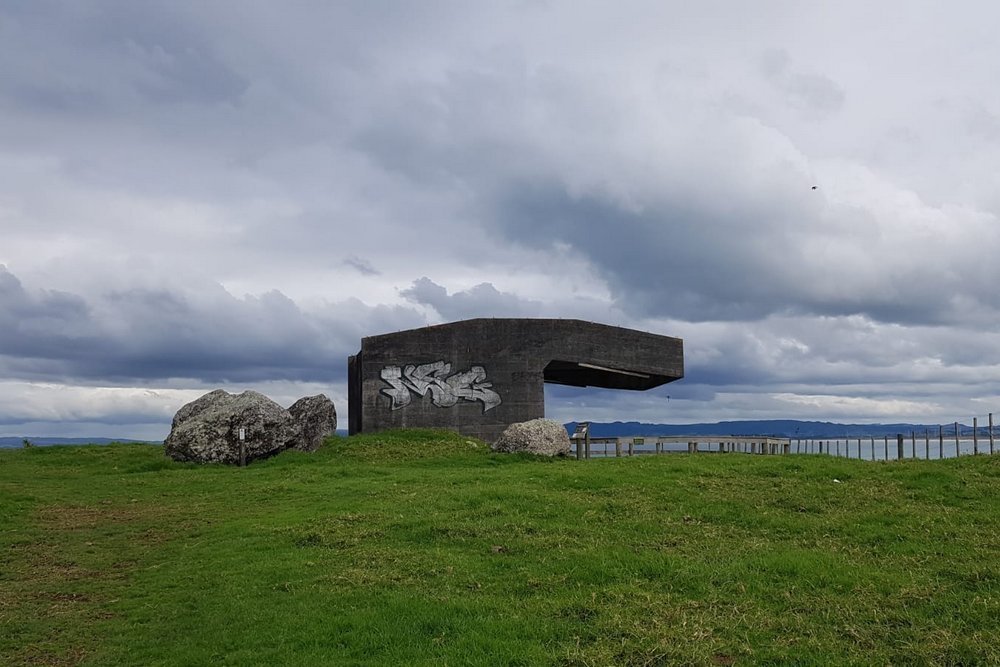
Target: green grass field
422	548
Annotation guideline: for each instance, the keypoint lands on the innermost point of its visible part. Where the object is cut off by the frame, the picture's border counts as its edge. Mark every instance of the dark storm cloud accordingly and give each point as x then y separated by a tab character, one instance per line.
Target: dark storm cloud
650	258
690	262
41	326
142	334
747	261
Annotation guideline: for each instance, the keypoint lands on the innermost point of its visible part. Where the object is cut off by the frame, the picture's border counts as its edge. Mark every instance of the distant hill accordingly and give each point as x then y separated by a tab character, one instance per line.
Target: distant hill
18	441
12	441
782	428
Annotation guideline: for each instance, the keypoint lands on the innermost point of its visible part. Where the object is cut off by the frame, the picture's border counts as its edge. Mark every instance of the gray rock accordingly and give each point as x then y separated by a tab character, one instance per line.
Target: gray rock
316	417
538	436
207	429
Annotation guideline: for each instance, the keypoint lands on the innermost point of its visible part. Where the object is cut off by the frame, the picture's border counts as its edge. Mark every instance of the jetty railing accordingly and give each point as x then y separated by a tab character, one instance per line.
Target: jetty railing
664	444
944	441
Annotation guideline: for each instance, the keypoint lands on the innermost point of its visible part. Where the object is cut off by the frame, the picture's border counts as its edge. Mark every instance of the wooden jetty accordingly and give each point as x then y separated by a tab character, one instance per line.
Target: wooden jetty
586	447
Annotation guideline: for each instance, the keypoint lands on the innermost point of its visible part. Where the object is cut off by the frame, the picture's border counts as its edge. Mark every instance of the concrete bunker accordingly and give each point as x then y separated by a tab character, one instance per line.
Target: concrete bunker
478	376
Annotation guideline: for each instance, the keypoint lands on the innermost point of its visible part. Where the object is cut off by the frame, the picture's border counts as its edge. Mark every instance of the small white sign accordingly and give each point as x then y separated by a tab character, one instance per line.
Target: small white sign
243	434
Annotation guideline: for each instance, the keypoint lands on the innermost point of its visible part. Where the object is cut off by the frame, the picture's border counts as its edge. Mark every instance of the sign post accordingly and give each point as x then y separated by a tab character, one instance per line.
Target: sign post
243	446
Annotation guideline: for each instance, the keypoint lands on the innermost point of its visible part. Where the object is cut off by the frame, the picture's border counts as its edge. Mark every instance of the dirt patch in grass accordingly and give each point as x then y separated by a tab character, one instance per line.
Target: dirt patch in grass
87	517
38	656
41	562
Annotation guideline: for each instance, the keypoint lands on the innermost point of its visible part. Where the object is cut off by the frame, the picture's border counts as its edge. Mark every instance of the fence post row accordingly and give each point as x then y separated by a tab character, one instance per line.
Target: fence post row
777	446
991	433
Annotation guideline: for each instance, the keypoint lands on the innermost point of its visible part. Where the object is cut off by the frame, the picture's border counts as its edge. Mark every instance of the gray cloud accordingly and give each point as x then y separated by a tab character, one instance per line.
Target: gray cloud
363	266
712	219
811	92
688	261
482	300
212	336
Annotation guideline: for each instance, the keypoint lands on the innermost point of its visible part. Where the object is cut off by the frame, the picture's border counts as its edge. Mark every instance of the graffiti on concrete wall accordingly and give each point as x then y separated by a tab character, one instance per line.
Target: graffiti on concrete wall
446	389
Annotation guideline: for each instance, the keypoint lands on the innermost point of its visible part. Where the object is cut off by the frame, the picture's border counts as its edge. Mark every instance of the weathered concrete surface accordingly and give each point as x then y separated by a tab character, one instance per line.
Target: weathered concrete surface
545	437
479	376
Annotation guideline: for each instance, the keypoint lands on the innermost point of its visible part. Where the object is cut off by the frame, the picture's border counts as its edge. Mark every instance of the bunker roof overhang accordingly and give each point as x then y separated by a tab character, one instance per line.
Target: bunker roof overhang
567	351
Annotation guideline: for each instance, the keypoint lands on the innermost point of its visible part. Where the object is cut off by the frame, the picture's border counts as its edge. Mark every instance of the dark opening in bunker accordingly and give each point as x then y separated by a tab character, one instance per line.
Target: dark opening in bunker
580	374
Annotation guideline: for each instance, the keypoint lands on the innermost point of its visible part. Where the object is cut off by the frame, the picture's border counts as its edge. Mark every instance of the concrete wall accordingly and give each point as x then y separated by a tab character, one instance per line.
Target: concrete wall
478	376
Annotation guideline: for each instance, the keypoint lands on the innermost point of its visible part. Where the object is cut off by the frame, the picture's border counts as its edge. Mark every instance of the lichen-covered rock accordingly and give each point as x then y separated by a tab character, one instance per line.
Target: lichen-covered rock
207	429
538	436
316	417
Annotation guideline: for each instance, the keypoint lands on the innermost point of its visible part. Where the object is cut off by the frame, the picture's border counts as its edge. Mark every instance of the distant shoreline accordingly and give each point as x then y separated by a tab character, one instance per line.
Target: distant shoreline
15	442
786	428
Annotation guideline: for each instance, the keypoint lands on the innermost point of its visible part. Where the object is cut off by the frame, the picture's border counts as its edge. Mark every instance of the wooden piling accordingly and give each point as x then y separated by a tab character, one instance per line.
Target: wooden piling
886	438
991	433
927	445
899	446
975	436
940	441
958	448
618	447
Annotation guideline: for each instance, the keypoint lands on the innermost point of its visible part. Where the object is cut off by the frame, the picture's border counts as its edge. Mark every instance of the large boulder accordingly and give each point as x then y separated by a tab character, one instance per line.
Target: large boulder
207	430
316	417
538	436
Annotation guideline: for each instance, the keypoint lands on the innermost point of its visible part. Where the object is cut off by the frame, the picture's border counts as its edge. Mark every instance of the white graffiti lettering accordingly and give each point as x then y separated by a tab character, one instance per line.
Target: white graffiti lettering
436	378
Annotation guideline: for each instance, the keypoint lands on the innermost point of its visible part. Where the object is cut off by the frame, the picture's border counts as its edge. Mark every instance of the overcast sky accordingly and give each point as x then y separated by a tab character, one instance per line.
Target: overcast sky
231	194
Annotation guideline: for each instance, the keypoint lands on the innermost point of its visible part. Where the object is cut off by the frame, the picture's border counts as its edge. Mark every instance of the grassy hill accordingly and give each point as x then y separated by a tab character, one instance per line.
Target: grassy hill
423	548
